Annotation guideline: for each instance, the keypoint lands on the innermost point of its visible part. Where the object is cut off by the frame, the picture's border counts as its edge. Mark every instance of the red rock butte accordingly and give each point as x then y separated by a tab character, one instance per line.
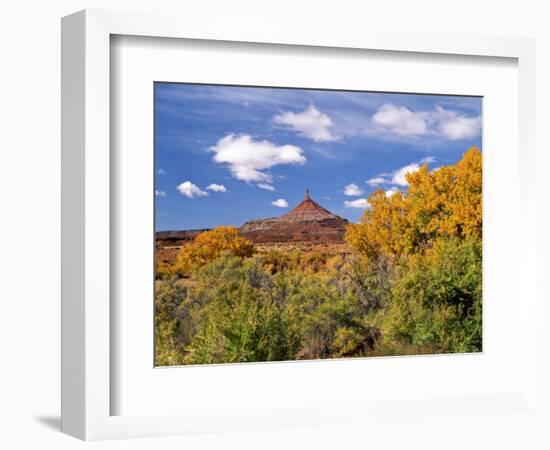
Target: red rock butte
307	222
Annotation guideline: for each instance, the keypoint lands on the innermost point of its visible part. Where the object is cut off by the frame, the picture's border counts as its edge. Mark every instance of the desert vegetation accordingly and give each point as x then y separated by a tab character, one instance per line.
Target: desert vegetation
407	281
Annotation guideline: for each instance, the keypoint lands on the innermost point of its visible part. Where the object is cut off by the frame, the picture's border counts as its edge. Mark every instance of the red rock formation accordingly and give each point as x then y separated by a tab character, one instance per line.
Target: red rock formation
308	222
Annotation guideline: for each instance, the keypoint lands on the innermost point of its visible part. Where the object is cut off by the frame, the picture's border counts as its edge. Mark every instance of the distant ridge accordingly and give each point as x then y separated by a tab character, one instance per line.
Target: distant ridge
176	238
179	234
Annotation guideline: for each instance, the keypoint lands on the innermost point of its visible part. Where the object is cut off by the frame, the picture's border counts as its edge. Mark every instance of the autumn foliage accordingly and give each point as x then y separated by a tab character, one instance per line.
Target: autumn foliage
441	203
209	245
430	237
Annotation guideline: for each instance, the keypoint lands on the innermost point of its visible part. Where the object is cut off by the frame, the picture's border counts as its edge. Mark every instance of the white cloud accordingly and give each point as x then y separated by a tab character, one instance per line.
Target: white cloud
310	123
400	120
376	181
428	160
216	187
391	191
352	190
438	122
399	175
267	187
359	203
160	193
247	159
190	190
456	126
280	203
161	172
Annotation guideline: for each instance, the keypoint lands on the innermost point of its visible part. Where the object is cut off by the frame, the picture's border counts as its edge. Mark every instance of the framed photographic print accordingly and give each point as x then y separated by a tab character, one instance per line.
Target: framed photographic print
301	224
265	229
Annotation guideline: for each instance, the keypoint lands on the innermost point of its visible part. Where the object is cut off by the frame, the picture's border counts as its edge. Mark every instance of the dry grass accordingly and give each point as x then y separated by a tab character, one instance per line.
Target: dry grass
166	255
306	247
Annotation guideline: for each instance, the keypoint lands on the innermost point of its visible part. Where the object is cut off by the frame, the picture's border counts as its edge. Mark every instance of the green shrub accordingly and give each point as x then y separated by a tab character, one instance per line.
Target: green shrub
436	300
240	321
236	309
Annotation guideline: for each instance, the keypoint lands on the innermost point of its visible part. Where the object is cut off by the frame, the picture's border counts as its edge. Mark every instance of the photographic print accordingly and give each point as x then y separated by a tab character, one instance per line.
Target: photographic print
302	224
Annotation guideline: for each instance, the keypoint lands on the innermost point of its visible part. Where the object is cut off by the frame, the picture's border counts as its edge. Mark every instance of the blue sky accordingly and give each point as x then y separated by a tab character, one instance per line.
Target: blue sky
225	154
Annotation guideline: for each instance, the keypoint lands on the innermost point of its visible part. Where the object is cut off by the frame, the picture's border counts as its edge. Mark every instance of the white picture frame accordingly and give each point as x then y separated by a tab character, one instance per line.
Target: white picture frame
86	247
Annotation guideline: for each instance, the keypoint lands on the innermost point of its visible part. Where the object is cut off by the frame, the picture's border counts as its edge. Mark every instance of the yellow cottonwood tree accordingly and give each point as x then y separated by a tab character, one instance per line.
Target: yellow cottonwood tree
382	226
209	245
446	202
